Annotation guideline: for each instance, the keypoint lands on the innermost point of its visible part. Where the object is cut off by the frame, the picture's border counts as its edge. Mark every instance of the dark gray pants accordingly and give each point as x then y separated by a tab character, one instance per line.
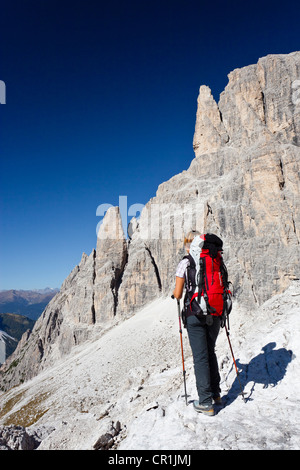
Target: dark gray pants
202	340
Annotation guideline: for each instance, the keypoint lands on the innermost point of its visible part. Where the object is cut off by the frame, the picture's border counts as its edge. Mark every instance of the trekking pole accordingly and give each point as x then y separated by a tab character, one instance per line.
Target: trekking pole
181	343
237	372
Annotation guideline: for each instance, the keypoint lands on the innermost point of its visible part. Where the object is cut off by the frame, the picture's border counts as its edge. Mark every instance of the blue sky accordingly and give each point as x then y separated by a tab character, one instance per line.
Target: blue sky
101	102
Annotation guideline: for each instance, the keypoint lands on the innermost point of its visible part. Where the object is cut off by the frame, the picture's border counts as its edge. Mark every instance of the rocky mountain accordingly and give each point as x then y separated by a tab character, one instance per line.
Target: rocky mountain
243	185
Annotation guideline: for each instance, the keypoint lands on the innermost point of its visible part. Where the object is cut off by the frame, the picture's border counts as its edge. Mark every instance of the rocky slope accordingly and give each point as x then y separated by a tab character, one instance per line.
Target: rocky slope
132	374
243	185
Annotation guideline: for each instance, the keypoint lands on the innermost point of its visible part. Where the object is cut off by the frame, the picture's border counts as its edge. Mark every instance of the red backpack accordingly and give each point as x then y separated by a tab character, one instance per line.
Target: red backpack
210	280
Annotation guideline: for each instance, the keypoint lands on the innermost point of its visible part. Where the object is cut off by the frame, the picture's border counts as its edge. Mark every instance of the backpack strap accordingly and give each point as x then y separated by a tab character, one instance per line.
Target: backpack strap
227	295
224	274
189	283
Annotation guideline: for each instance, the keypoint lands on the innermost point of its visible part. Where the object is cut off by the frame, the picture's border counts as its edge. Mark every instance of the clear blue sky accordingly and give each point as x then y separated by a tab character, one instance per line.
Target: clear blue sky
101	102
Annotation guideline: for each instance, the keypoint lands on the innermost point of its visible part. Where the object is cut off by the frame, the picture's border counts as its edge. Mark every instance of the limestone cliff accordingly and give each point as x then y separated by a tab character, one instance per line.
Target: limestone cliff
243	185
244	182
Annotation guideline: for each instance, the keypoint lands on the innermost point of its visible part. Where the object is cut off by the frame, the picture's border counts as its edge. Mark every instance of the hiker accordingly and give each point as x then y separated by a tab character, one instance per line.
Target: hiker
200	273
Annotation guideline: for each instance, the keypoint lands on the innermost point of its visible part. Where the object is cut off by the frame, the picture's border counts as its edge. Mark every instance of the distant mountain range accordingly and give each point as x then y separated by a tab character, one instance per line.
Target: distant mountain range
19	309
30	303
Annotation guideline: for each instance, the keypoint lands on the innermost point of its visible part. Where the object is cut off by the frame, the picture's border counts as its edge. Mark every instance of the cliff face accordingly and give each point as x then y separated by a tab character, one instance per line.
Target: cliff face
244	182
243	185
89	302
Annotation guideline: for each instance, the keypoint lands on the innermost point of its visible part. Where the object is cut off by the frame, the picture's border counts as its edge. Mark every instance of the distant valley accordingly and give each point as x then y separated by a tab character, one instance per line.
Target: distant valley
30	303
19	310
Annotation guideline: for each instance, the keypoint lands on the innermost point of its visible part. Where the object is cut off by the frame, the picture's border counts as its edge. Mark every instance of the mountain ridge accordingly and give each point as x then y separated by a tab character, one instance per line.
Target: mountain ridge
30	303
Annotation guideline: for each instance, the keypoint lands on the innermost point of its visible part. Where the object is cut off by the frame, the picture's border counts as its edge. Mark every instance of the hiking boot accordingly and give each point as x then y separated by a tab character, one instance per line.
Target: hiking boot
205	409
218	400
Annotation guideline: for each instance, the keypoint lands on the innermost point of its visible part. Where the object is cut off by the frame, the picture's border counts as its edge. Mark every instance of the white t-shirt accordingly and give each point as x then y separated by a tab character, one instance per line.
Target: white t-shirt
181	268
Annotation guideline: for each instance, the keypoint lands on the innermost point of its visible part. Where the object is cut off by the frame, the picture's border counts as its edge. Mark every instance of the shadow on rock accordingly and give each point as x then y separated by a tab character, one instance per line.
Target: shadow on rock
267	368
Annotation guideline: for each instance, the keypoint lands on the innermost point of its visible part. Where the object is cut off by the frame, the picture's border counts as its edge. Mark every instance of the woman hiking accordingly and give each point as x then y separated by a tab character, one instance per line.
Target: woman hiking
202	272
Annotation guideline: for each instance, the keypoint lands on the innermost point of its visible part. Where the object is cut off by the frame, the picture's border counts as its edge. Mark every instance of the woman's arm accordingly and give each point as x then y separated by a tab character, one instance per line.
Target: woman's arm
178	287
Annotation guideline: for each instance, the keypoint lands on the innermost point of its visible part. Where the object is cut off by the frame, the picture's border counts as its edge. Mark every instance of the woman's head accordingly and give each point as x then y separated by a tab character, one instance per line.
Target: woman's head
189	238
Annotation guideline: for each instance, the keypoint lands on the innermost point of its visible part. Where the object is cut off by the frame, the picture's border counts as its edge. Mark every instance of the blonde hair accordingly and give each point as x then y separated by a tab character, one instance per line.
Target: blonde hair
190	237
